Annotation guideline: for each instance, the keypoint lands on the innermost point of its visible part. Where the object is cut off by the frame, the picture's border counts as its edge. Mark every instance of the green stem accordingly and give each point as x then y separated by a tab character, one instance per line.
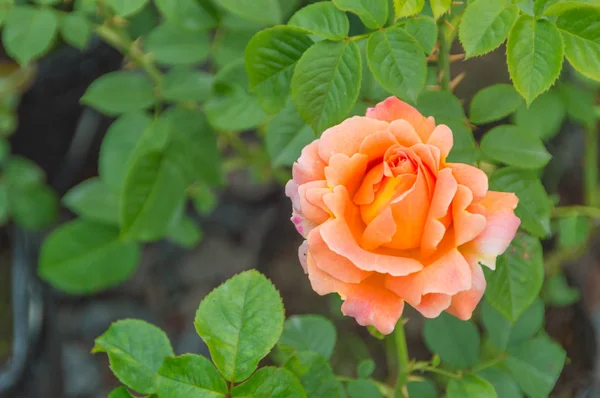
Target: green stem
570	211
443	56
359	37
442	372
590	166
488	364
403	360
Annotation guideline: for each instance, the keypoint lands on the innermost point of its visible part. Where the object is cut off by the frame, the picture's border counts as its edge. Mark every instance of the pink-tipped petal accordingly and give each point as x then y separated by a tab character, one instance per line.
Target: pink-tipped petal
393	109
302	254
347	136
309	166
311	202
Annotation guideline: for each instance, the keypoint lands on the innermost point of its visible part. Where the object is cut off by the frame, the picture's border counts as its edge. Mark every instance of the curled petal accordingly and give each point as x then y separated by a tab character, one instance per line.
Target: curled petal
405	133
311	201
379	231
434	229
375	145
366	193
347	136
310	166
346	171
328	261
467	226
441	137
433	304
393	109
464	303
369	301
472	178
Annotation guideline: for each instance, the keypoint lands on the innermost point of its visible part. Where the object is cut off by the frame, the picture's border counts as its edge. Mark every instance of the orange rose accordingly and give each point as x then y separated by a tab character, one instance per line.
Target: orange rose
387	220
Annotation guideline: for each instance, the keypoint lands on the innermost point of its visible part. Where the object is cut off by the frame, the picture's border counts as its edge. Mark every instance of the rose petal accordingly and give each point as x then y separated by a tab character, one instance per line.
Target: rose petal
471	177
441	137
449	274
309	166
467	226
390	189
302	253
393	109
347	136
369	301
376	144
346	171
464	303
366	192
434	229
379	231
328	261
433	304
405	133
311	201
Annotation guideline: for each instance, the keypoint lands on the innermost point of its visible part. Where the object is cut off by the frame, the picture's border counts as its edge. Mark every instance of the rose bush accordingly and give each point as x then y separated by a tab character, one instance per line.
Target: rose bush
387	220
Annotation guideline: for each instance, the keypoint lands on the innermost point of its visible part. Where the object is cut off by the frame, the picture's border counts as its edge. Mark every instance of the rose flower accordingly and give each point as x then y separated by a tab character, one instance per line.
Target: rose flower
387	220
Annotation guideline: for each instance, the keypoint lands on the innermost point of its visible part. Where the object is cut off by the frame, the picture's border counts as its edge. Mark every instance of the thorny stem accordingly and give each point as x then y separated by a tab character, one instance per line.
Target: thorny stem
403	360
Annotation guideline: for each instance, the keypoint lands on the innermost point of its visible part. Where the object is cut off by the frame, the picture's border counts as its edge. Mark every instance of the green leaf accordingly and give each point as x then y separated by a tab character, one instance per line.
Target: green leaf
75	30
557	292
229	45
190	376
373	13
440	7
270	382
118	147
203	198
170	44
287	135
580	29
83	257
536	365
240	322
188	14
485	25
270	58
407	8
322	19
579	102
518	277
363	388
544	117
34	207
21	172
470	386
136	350
494	103
195	146
185	83
563	6
126	8
119	92
4	203
455	341
504	384
185	232
502	333
515	146
422	389
153	192
312	333
92	200
535	54
448	110
397	62
120	392
425	30
29	33
534	205
315	374
365	368
265	12
326	83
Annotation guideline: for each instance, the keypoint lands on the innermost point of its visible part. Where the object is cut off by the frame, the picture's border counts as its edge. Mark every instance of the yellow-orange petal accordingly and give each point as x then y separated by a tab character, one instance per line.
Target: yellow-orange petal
464	303
471	177
390	189
328	261
369	302
309	166
433	304
434	229
347	136
441	138
346	171
379	231
393	109
467	225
